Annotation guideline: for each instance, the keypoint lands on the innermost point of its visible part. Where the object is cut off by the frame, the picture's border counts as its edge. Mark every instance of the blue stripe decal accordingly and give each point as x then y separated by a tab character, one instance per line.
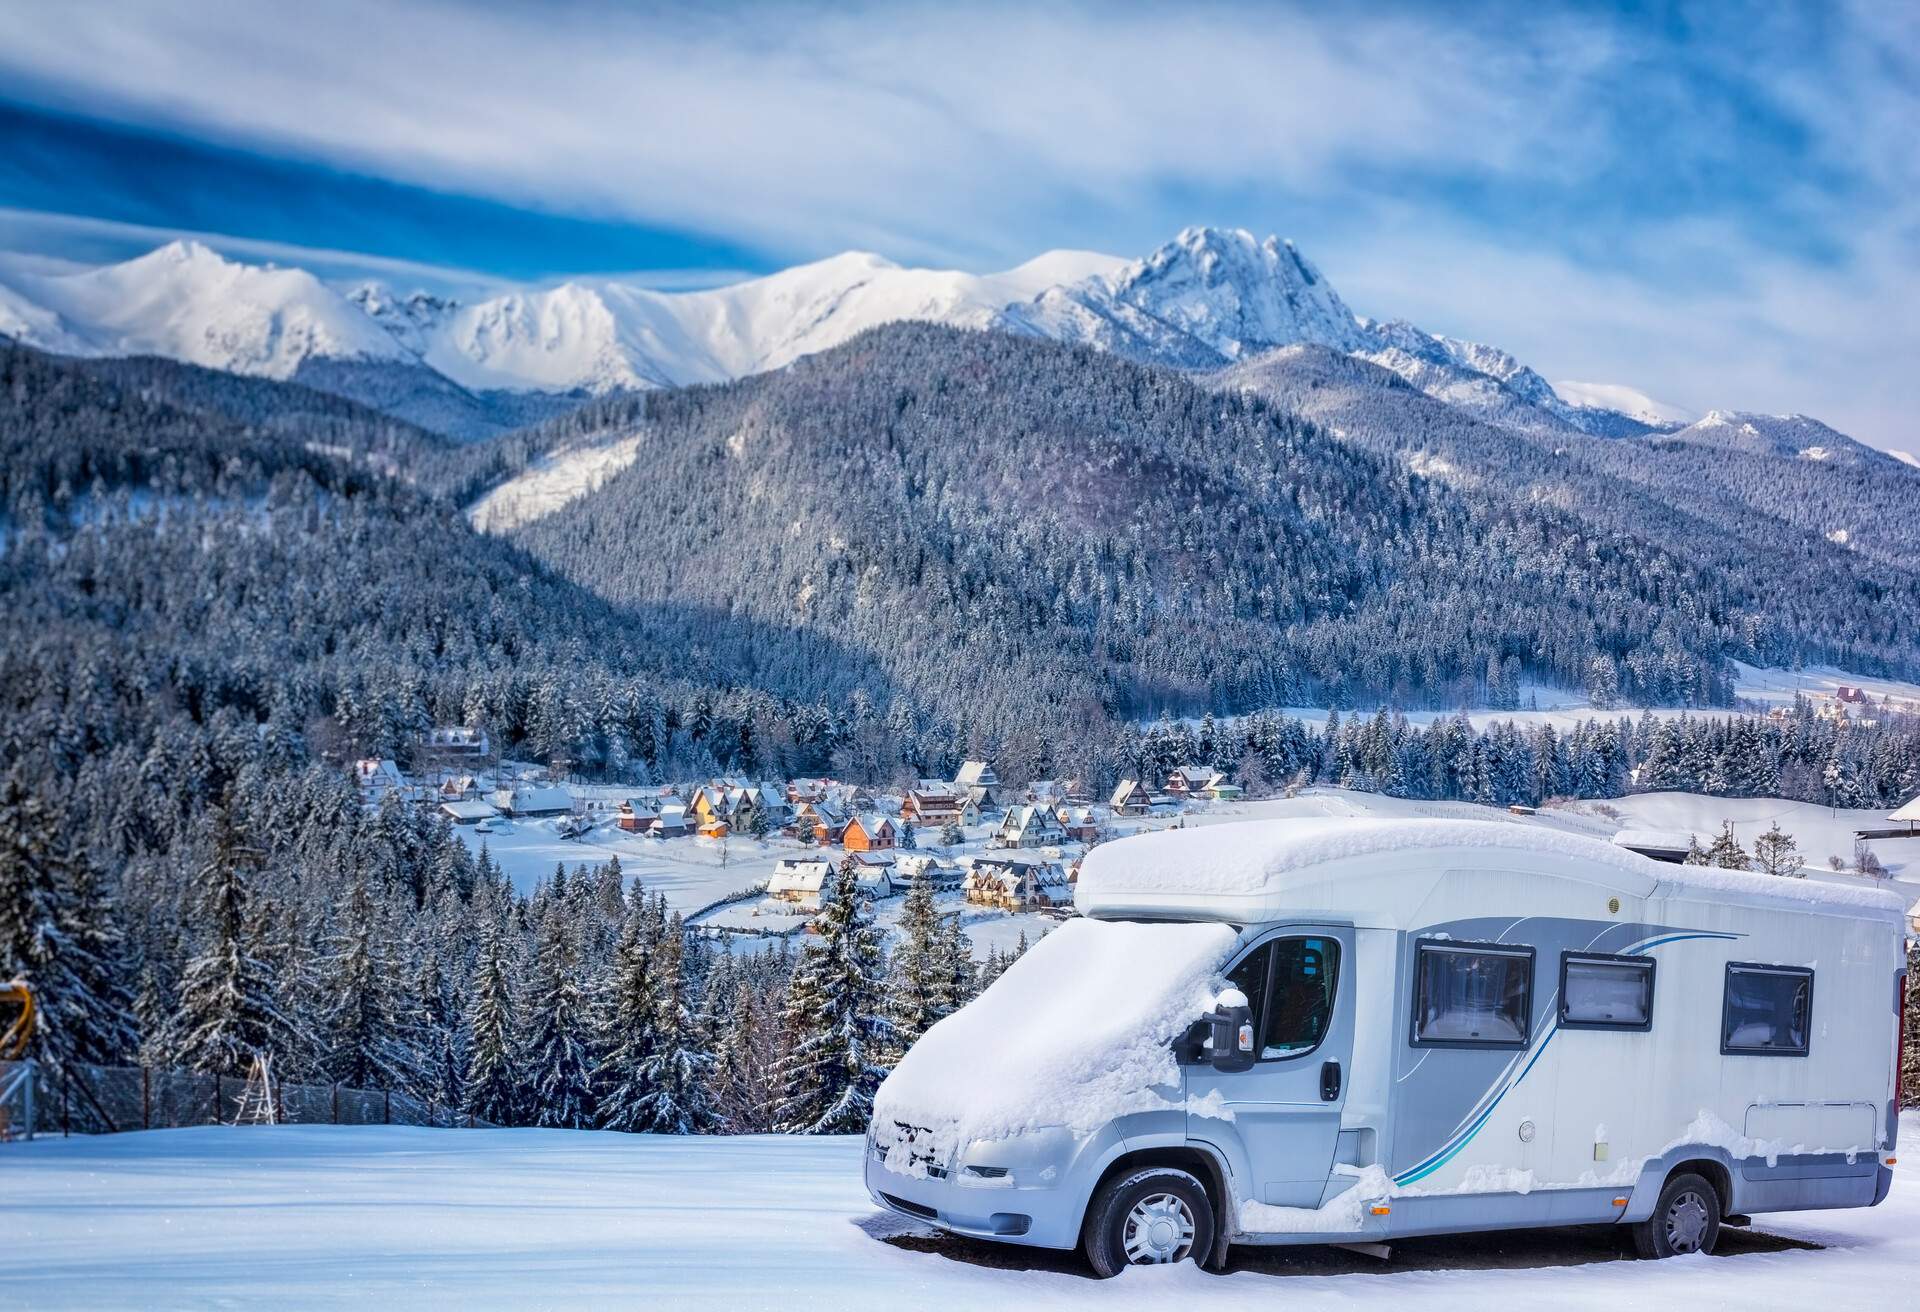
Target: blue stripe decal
1451	1149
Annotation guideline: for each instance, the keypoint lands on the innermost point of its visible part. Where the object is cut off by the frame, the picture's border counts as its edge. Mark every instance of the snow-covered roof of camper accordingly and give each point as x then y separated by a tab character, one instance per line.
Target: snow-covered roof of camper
1360	869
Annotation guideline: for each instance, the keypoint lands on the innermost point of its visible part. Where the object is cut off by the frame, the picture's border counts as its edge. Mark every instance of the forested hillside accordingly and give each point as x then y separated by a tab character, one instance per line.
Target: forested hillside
1029	537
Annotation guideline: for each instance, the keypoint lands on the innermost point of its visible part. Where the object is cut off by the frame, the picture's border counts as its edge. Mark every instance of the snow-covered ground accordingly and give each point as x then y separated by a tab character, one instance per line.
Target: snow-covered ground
325	1216
550	483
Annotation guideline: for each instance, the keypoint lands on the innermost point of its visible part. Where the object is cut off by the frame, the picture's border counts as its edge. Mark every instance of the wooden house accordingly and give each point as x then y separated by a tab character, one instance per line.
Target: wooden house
1190	781
1030	826
1078	823
976	779
1130	798
870	833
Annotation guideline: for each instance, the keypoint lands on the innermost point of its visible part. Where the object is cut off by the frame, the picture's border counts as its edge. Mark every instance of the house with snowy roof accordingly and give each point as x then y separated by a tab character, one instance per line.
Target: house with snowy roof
1130	798
976	779
1191	781
536	800
872	832
1017	881
1030	826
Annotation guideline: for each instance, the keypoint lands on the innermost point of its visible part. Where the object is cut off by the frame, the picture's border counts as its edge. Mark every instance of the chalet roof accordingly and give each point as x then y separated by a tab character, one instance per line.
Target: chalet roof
1125	790
468	810
976	773
1653	840
1911	811
1196	776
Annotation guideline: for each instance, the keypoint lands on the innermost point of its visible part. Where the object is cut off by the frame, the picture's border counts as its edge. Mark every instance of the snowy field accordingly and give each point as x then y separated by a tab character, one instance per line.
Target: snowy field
323	1216
1563	708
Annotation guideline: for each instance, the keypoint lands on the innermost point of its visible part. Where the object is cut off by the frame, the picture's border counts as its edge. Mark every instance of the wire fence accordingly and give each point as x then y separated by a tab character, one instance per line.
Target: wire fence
82	1099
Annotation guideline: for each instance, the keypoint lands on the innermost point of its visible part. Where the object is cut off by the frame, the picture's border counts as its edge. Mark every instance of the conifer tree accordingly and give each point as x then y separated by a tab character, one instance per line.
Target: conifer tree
628	1037
229	1009
559	1047
1726	852
1775	853
675	1072
368	1028
493	1083
56	933
919	975
836	1013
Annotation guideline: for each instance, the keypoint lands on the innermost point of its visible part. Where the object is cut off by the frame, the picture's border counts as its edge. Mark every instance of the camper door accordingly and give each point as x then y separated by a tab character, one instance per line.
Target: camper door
1285	1111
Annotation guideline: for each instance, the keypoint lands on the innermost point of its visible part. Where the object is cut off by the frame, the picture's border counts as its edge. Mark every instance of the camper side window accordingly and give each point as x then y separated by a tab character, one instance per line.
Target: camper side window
1472	995
1601	992
1768	1011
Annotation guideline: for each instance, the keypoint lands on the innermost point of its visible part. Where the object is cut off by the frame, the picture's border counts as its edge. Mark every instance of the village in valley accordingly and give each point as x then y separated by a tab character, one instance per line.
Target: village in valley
749	862
752	860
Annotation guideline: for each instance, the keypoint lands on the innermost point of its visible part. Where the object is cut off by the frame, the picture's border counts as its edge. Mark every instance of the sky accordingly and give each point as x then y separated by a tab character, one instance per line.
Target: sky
1718	204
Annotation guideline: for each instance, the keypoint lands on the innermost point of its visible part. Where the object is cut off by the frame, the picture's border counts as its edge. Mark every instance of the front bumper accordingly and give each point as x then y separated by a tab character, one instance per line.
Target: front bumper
1039	1216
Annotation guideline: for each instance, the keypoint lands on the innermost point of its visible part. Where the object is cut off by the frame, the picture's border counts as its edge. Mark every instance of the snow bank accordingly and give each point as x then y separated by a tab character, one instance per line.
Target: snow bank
1259	857
1077	1032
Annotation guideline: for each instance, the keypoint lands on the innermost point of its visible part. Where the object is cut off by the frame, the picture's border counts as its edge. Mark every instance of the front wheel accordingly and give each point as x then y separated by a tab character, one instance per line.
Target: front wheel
1685	1220
1147	1218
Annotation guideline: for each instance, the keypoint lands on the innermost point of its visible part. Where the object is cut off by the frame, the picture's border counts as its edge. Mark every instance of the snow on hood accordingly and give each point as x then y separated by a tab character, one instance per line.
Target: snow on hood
1077	1032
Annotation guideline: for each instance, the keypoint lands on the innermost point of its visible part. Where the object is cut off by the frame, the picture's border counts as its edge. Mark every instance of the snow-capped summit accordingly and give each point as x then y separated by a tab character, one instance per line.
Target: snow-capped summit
1624	400
1209	296
186	301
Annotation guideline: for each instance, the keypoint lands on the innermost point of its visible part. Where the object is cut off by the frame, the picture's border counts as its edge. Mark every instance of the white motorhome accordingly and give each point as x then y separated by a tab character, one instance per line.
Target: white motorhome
1351	1031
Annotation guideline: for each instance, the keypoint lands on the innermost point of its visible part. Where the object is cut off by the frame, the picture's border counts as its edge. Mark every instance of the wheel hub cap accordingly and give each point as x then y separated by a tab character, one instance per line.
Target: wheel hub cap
1159	1229
1687	1223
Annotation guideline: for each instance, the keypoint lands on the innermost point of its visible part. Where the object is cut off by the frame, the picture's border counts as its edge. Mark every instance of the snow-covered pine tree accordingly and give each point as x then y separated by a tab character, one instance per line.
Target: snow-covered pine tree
1725	850
493	1081
1775	853
675	1073
919	977
960	982
228	1003
836	1014
559	1046
372	1026
57	934
628	1017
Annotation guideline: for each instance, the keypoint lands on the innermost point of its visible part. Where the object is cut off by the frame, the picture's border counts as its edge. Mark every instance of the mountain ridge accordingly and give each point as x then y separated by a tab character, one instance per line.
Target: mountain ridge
1208	298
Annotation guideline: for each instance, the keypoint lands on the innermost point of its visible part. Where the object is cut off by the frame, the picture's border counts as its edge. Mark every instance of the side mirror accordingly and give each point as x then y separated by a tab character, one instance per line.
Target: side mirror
1231	1040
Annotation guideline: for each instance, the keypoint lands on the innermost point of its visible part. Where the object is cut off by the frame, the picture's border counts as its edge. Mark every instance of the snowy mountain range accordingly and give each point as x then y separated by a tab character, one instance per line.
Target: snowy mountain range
1208	298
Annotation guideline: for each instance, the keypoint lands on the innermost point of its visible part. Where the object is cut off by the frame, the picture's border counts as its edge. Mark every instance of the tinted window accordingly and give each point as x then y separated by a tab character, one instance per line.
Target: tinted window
1471	995
1250	977
1606	992
1300	1001
1768	1010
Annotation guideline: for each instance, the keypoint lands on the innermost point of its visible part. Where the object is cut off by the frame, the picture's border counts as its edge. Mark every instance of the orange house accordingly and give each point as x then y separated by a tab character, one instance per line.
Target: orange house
869	833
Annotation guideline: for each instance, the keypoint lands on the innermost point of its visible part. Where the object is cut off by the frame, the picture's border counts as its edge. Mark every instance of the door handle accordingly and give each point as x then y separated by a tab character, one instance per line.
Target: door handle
1329	1081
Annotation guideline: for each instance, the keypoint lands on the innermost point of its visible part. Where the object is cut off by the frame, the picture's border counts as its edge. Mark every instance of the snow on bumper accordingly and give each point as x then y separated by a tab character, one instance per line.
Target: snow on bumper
1020	1208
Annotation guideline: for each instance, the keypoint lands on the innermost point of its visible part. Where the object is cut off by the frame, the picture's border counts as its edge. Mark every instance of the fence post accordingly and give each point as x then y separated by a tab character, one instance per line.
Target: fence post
336	1103
386	1096
214	1119
146	1098
66	1107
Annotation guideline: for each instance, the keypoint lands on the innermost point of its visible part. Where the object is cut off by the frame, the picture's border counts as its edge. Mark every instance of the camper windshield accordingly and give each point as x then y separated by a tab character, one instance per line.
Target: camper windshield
1077	1031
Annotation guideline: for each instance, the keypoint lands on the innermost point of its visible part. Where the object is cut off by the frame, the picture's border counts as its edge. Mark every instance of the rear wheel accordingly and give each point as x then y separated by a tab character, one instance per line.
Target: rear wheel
1147	1218
1685	1220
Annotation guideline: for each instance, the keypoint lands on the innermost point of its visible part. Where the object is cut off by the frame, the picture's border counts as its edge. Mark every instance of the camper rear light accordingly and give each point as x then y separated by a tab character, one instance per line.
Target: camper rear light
1380	1209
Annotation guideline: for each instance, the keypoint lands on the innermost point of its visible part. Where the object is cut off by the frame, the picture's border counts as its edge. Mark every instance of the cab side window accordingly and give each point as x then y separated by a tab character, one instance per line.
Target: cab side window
1250	977
1300	999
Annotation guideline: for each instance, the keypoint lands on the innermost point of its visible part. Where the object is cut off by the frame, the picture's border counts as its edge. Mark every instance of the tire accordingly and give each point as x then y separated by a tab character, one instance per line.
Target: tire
1685	1220
1155	1215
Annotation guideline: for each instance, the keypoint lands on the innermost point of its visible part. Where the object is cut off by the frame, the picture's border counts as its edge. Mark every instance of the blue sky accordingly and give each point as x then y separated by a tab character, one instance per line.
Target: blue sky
1717	204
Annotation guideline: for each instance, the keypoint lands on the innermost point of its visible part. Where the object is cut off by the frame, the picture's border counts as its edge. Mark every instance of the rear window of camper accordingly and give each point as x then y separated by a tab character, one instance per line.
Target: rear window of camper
1472	995
1601	992
1768	1010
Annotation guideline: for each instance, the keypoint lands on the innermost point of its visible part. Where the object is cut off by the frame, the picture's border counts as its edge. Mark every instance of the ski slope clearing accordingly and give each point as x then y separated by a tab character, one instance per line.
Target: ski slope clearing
323	1216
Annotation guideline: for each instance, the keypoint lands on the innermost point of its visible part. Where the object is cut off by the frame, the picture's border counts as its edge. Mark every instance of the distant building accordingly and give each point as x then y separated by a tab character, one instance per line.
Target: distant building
1030	826
467	812
1017	882
1130	798
544	799
446	744
976	779
1670	846
870	833
1191	780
